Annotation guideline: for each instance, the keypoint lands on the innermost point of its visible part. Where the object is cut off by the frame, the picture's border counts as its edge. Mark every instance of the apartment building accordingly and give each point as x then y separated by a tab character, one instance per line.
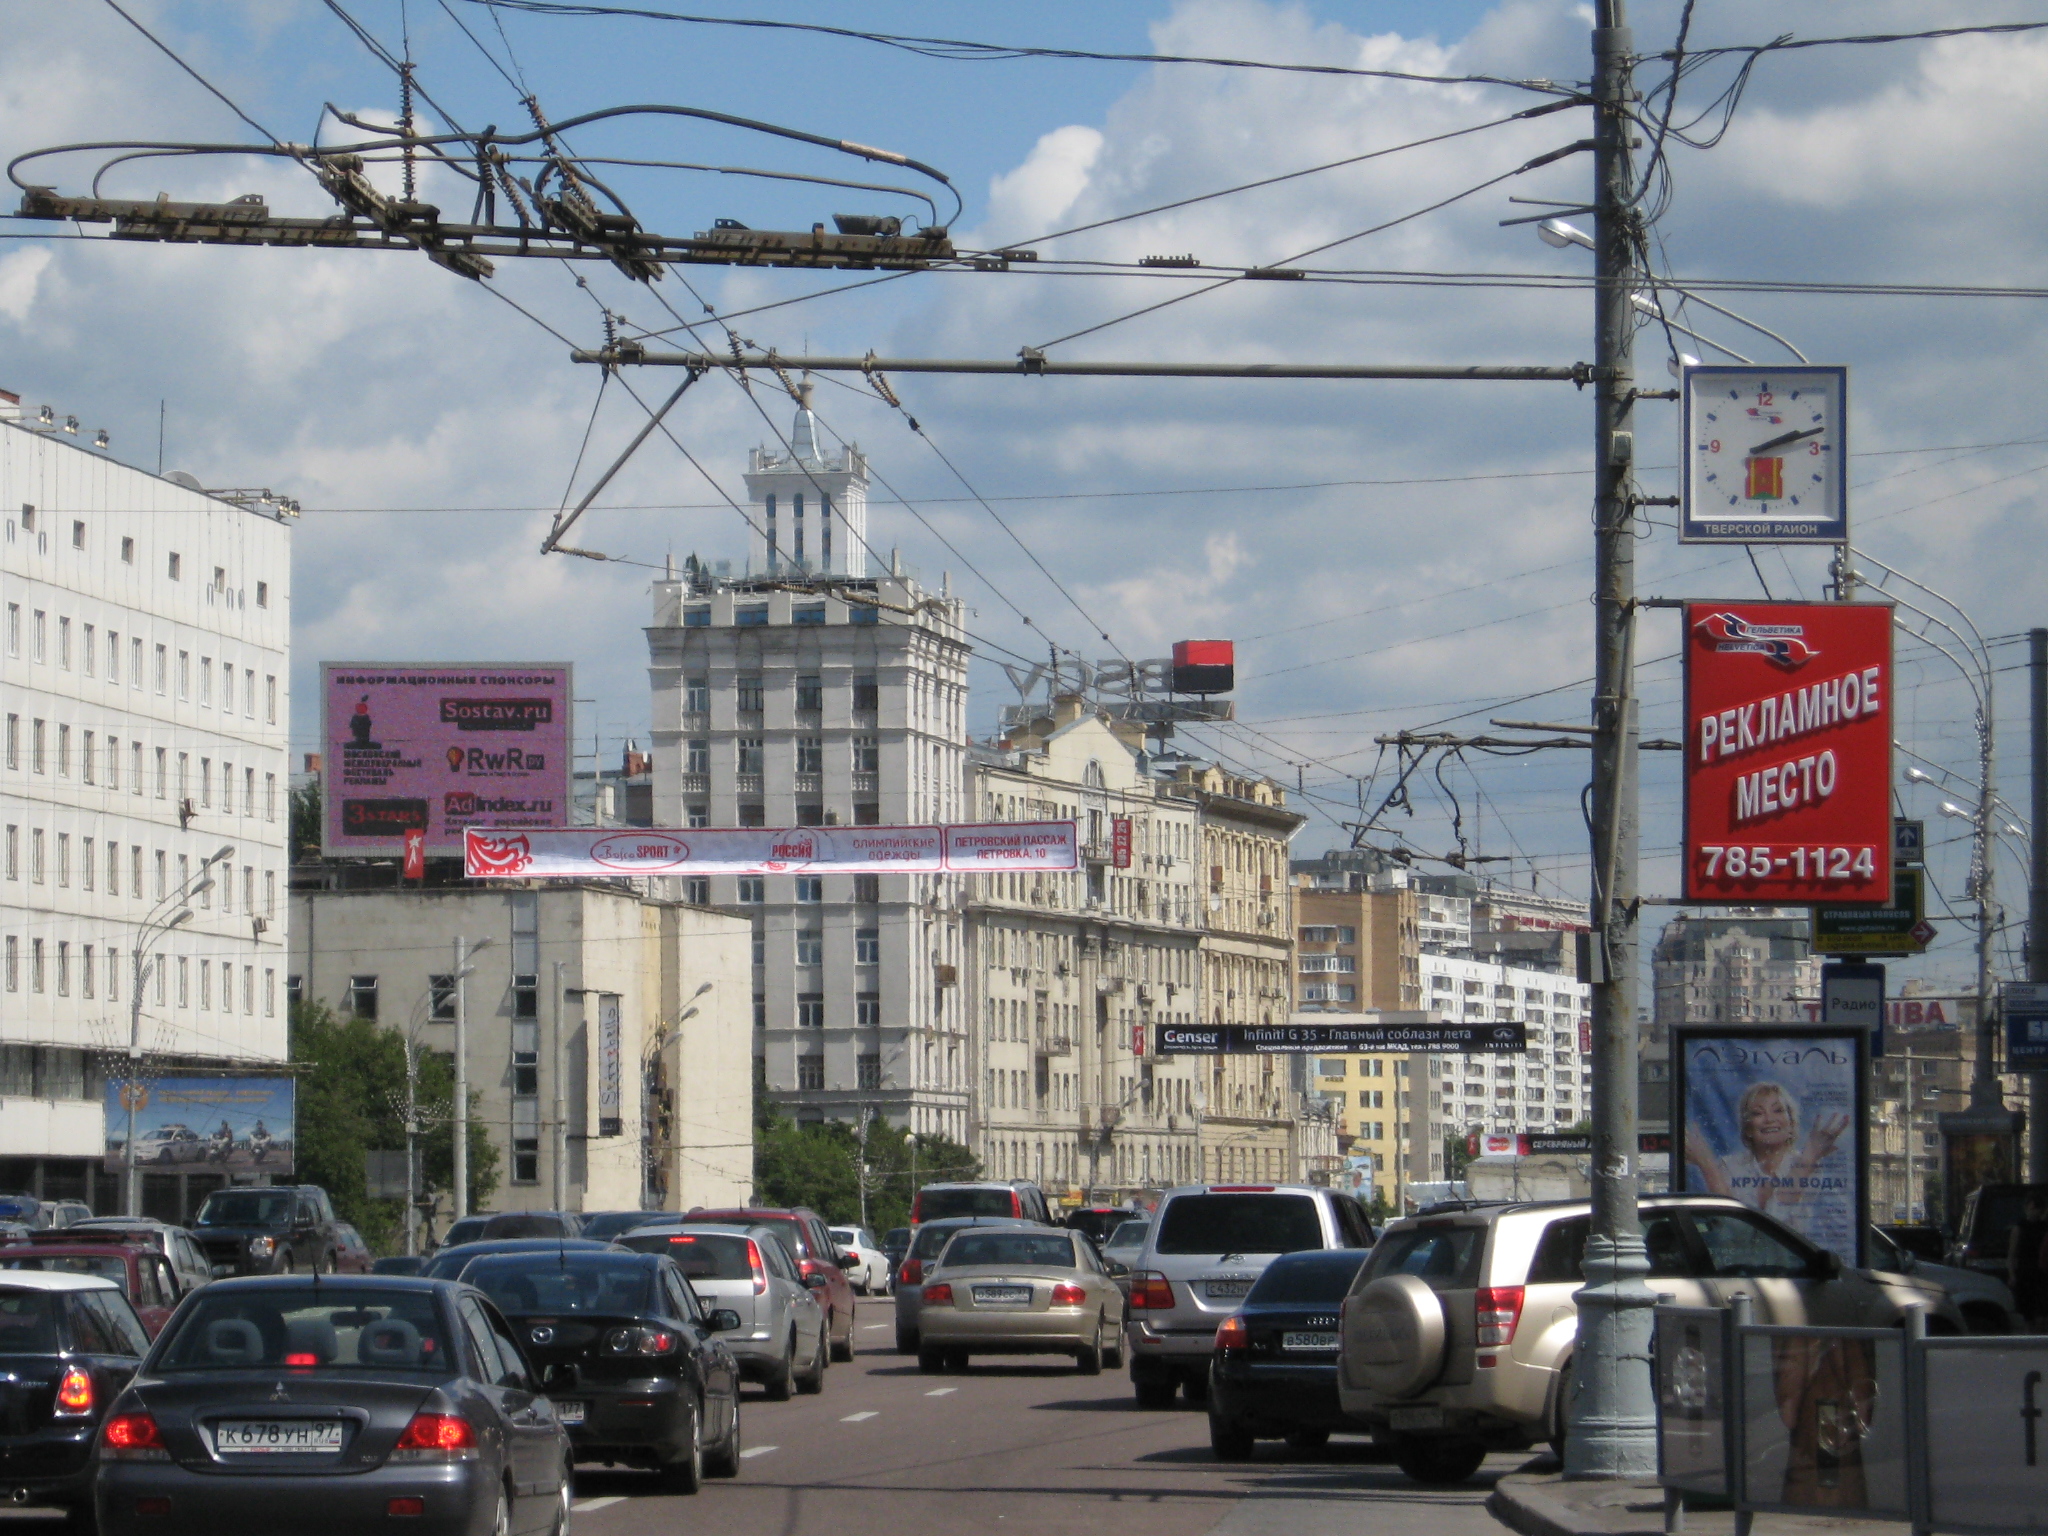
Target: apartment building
144	642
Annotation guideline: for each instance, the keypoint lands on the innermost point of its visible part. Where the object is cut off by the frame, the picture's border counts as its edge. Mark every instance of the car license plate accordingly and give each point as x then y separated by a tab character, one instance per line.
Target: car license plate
569	1413
1415	1418
1308	1341
1226	1290
276	1437
1002	1295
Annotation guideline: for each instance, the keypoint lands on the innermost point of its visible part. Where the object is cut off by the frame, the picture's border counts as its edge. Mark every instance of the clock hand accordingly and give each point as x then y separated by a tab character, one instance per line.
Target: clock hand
1785	438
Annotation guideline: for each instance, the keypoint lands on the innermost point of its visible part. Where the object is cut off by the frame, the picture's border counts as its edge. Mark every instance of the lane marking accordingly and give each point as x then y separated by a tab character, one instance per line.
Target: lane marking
941	1391
871	1327
856	1418
757	1450
585	1506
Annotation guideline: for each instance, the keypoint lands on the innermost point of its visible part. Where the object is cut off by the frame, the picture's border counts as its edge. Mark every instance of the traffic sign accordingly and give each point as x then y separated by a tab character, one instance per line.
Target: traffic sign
1852	995
1922	933
1899	928
2025	1004
1909	841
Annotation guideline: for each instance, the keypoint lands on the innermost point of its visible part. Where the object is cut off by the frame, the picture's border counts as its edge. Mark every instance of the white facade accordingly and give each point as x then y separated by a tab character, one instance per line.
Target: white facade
810	507
1548	1086
144	639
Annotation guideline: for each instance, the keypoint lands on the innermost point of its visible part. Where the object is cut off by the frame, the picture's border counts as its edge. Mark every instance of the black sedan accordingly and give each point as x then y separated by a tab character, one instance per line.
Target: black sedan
334	1404
631	1358
1274	1373
450	1262
68	1344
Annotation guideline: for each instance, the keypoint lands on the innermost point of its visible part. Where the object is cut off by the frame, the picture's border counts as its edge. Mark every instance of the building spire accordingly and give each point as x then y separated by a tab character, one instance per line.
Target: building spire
803	437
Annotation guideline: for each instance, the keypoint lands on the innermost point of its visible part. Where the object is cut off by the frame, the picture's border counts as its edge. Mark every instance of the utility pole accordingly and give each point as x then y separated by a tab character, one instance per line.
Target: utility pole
2037	882
557	1068
460	1110
1612	1416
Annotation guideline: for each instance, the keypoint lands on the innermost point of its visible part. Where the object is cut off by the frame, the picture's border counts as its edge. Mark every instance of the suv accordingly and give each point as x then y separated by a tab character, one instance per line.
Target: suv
1017	1198
1458	1332
1984	1234
188	1260
1206	1246
272	1230
818	1260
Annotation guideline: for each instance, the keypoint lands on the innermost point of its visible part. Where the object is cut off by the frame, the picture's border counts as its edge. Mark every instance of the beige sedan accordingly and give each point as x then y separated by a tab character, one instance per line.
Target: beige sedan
1019	1291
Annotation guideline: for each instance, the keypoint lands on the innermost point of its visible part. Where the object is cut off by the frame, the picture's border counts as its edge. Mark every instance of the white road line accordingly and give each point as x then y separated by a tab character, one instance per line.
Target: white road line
871	1327
941	1391
855	1418
585	1506
757	1450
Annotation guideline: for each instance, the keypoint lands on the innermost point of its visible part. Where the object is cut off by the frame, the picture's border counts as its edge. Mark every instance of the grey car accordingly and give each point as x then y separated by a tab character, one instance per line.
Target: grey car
188	1259
1207	1246
926	1243
781	1341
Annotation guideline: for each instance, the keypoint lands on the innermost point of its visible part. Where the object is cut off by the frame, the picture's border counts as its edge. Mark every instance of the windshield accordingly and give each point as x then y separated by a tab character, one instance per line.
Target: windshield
246	1208
1444	1257
699	1255
935	1204
467	1230
106	1266
300	1329
930	1240
1240	1224
1002	1248
523	1284
609	1224
1128	1238
28	1323
1308	1281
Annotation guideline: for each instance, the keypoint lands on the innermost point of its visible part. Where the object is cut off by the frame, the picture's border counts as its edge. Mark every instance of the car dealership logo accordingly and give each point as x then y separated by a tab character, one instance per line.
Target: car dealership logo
1783	645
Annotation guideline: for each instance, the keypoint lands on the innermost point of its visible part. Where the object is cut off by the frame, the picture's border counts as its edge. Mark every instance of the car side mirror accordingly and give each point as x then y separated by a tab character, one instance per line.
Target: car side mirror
1827	1265
1116	1271
724	1320
849	1261
816	1282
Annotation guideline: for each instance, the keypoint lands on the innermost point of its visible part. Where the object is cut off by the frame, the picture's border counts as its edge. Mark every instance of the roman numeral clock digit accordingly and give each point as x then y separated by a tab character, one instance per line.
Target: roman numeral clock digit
1765	452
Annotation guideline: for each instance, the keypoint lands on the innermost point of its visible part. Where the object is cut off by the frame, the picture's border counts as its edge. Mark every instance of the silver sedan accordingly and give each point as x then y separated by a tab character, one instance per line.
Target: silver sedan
1020	1292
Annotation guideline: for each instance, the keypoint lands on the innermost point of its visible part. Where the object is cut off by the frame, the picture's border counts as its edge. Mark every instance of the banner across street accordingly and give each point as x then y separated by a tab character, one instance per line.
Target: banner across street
583	852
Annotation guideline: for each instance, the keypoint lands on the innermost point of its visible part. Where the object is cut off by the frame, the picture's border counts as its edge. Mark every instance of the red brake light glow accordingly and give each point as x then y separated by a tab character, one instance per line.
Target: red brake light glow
438	1432
682	1238
1231	1333
74	1393
1498	1309
911	1273
760	1270
1068	1296
302	1360
132	1436
939	1295
1151	1292
1016	1204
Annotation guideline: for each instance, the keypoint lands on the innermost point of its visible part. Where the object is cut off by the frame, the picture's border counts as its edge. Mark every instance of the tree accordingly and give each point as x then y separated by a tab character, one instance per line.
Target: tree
304	830
1457	1157
819	1165
351	1098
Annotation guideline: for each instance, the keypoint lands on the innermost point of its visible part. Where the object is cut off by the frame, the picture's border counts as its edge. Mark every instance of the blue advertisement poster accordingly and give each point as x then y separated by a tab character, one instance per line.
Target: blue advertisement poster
219	1124
1775	1121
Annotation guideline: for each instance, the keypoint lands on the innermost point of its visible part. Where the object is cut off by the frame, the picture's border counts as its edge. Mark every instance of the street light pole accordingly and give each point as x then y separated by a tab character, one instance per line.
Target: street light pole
2037	880
1612	1412
464	952
559	1141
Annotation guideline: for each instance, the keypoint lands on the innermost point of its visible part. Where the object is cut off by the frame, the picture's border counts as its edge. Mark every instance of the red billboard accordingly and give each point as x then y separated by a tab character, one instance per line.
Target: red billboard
1788	752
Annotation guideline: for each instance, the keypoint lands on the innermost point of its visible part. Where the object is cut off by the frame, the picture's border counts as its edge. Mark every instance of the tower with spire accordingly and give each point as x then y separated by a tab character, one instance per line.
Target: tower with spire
810	505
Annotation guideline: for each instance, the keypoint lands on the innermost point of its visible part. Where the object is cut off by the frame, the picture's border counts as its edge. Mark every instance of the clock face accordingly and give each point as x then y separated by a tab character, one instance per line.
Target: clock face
1764	455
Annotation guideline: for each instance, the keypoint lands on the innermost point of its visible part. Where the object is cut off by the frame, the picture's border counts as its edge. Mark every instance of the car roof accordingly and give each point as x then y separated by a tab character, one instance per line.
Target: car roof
331	1282
1487	1209
52	1280
484	1245
719	1228
77	1250
748	1213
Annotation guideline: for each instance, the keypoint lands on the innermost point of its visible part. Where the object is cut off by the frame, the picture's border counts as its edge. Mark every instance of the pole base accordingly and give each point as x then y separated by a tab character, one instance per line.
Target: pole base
1612	1420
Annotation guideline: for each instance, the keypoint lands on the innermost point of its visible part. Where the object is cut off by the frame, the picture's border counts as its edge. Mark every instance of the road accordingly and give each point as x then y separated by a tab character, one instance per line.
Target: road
1024	1446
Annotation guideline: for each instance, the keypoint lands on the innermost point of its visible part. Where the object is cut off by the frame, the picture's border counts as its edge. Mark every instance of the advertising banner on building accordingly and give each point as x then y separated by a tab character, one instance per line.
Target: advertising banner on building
440	749
215	1124
1776	1121
582	852
1335	1039
1788	752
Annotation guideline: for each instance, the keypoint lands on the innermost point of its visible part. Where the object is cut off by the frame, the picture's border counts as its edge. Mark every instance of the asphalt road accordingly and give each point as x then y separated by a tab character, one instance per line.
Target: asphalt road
1024	1446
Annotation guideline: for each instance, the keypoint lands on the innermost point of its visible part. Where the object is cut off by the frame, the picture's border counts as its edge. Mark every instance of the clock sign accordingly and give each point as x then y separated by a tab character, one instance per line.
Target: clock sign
1765	456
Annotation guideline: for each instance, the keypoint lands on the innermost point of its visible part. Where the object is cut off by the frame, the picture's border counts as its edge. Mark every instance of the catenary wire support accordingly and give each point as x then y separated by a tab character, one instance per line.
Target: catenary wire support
629	354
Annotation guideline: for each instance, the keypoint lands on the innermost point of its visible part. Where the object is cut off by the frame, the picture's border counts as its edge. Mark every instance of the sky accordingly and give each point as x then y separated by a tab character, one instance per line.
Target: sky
1386	555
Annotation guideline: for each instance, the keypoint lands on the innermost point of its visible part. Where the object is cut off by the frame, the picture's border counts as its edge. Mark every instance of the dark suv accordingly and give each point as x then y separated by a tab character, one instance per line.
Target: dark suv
276	1230
818	1260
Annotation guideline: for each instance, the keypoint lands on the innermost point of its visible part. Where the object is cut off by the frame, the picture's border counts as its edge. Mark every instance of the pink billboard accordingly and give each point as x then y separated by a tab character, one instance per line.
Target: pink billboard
439	749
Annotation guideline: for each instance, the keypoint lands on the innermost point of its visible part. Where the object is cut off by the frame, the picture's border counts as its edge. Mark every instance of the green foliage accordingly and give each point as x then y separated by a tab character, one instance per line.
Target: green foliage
304	835
351	1098
819	1165
1456	1158
1382	1209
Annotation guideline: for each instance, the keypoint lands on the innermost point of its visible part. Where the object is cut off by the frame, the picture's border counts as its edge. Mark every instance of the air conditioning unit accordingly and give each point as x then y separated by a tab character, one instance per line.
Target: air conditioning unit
1144	994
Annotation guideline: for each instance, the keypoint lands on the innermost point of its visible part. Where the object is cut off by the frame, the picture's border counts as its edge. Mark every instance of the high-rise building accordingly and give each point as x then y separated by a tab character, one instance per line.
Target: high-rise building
804	692
144	644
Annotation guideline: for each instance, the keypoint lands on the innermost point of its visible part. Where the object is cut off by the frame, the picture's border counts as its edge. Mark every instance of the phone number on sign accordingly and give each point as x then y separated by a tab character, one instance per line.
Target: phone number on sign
1813	862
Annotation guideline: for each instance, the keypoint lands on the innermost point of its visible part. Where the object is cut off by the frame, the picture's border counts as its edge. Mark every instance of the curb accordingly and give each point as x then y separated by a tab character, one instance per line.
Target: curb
1527	1503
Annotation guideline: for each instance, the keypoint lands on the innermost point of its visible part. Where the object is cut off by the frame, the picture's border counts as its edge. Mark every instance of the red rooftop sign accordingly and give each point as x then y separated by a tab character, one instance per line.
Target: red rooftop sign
1788	752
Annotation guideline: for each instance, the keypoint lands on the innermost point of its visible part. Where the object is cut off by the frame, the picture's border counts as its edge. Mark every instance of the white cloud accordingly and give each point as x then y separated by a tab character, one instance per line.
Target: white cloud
20	275
1045	186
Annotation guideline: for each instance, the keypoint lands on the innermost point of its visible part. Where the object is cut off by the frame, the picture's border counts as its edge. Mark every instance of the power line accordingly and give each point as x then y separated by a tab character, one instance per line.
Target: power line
215	91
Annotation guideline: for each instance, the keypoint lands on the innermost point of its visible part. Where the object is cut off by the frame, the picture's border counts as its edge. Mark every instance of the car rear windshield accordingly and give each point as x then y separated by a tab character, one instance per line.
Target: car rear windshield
245	1208
700	1255
28	1322
302	1329
937	1204
1128	1238
972	1247
609	1224
106	1266
1310	1281
930	1240
1442	1256
523	1284
1249	1223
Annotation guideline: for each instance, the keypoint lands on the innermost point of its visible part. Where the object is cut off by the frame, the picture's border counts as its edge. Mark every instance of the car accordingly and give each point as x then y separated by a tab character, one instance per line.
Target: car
638	1370
895	1244
1922	1239
1273	1372
1443	1293
58	1214
351	1254
170	1143
808	1238
398	1264
188	1260
606	1225
1984	1300
279	1229
264	1388
872	1273
473	1229
1120	1251
1098	1221
782	1341
69	1343
449	1263
143	1275
1983	1237
1019	1291
925	1247
1207	1246
981	1198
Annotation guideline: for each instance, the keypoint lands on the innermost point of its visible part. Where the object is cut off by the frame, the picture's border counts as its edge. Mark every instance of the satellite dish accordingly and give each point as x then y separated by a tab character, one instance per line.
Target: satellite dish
186	479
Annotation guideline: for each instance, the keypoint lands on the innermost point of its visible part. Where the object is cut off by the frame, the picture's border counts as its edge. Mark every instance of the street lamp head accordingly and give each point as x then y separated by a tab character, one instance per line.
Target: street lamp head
1950	808
183	916
222	854
1915	776
201	889
1560	234
703	989
1676	366
481	944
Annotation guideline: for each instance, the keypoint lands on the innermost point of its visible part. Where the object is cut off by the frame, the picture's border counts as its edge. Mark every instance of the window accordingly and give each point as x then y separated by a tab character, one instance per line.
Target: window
77	534
14	629
810	946
441	998
867	888
114	868
1739	1247
35	965
867	813
270	797
760	1010
14	741
135	663
63	968
810	1072
867	1012
220	578
810	1010
749	754
697	616
867	754
269	700
163	669
40	637
868	1069
85	755
227	689
810	754
13	978
526	996
867	946
810	693
697	696
206	681
753	814
113	657
36	871
699	816
64	643
747	694
810	888
1334	1066
270	994
127	551
162	774
750	615
64	860
752	889
176	567
697	757
362	996
867	694
697	891
184	674
262	594
807	613
248	693
88	856
862	613
88	651
810	814
13	852
270	893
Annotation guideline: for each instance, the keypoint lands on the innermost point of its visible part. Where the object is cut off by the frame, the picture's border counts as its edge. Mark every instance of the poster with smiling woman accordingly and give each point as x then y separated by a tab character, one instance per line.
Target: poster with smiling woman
1774	1120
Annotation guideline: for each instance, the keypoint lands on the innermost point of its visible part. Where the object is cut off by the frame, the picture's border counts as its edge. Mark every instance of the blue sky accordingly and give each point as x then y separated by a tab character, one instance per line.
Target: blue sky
1425	553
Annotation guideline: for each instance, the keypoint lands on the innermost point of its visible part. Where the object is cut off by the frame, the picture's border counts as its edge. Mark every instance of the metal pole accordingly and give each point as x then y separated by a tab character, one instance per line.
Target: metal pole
131	1188
460	1111
1612	1419
560	1148
2037	882
1036	363
412	1145
1985	1090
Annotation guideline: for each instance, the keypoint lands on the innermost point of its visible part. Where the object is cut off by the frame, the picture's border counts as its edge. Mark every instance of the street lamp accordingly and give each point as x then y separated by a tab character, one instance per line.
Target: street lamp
464	952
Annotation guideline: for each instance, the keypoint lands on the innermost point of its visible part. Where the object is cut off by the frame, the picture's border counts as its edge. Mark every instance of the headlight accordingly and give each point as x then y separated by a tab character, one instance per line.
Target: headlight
262	1247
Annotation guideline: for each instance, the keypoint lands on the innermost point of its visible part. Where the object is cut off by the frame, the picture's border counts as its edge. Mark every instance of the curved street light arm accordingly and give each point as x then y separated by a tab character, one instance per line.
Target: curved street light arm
1662	284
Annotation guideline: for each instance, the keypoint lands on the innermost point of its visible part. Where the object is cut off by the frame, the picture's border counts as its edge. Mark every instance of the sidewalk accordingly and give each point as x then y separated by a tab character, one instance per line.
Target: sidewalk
1544	1504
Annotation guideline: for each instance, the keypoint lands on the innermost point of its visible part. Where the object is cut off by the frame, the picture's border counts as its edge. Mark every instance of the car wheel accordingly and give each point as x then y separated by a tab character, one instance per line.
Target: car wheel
1113	1351
285	1263
931	1361
956	1360
842	1349
812	1382
326	1266
563	1497
1088	1361
686	1475
501	1522
1439	1463
783	1378
1230	1440
1154	1394
725	1461
1308	1439
1560	1409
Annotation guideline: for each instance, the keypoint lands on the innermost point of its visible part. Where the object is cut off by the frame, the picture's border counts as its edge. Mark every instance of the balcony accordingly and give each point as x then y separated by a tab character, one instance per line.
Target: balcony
810	784
747	784
1054	1045
865	783
696	783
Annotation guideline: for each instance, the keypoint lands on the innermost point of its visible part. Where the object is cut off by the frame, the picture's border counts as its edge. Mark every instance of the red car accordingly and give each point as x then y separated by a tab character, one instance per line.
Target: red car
143	1274
818	1260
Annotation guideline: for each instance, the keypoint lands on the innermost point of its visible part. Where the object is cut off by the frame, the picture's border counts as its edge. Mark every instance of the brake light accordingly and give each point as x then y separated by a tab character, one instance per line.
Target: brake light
939	1295
132	1437
302	1360
911	1273
1232	1333
1016	1204
1241	1189
74	1393
1068	1296
437	1437
640	1341
1151	1292
760	1270
1499	1308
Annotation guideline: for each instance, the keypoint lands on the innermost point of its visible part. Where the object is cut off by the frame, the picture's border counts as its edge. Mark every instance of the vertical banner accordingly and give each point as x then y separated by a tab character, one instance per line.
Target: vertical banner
415	853
611	1085
1788	752
1120	842
1776	1120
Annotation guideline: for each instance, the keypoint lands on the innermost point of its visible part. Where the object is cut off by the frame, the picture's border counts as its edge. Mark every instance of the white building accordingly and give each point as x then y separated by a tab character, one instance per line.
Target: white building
143	681
1546	1087
807	693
